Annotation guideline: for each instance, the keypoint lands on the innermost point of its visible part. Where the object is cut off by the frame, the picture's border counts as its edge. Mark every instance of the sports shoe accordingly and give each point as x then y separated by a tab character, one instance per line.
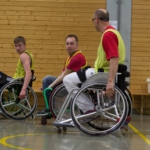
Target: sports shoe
89	111
128	119
45	113
85	120
42	112
49	116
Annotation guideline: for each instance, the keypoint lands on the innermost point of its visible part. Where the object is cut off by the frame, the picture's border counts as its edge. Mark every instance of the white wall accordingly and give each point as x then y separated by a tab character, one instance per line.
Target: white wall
124	21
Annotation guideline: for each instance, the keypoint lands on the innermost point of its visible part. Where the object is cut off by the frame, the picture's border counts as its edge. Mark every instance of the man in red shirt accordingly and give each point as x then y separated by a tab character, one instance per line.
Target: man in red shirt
73	63
111	52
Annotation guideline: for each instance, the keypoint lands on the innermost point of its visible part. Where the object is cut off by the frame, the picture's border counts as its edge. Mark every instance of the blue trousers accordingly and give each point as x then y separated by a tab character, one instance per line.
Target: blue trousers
46	82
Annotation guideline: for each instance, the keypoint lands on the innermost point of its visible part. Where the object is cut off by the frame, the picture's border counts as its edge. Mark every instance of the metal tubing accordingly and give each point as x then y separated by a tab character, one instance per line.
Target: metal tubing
119	13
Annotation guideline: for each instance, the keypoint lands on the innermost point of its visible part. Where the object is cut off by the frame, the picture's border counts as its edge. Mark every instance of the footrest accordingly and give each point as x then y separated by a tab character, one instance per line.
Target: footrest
41	115
57	124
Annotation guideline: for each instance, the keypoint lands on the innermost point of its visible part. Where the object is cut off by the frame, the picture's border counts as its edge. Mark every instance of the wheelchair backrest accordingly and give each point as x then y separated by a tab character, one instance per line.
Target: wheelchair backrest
32	78
121	78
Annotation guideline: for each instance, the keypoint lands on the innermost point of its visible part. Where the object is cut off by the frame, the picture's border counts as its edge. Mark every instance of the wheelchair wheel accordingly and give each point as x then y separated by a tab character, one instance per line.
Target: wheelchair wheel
57	98
129	100
13	107
109	113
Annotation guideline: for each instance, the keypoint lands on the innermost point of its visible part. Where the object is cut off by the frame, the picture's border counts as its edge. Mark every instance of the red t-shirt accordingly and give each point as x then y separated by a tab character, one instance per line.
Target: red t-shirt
110	44
76	62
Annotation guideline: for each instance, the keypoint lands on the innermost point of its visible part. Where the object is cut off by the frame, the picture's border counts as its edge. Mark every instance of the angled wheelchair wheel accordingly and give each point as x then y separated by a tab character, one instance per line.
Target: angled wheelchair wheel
129	101
57	98
109	113
13	107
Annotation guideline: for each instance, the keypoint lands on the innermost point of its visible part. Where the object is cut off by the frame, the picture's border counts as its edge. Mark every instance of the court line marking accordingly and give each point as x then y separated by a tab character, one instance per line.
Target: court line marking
140	134
3	140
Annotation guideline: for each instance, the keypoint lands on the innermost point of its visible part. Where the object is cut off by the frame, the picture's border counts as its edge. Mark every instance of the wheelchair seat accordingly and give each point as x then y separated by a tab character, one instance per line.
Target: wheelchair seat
103	77
98	77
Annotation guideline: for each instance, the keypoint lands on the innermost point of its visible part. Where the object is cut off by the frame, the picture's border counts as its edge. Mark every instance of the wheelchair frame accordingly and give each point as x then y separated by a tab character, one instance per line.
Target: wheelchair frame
68	122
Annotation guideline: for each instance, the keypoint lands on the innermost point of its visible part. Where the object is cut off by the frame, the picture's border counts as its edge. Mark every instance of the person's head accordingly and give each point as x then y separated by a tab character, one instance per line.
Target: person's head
20	44
101	19
71	44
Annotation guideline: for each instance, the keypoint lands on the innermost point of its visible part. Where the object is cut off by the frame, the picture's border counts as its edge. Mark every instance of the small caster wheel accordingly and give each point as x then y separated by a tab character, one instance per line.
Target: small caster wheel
123	131
59	130
32	117
43	121
126	128
64	129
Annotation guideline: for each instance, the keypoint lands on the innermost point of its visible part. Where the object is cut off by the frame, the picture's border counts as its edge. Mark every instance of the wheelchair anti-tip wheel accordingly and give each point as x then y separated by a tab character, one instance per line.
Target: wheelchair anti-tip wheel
109	113
59	130
12	106
64	129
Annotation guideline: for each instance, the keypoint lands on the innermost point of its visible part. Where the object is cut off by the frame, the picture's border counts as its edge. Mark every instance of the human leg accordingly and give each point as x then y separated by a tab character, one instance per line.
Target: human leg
45	83
71	81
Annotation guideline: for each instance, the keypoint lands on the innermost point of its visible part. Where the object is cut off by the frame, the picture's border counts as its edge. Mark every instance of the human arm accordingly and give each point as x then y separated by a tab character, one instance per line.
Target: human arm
110	44
113	67
75	64
60	77
25	59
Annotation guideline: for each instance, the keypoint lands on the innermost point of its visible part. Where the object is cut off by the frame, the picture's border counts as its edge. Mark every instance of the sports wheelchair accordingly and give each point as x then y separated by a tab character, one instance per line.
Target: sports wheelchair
110	113
11	105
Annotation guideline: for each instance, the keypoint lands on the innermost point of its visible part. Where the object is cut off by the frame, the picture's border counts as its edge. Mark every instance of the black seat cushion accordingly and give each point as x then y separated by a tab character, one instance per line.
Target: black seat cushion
121	83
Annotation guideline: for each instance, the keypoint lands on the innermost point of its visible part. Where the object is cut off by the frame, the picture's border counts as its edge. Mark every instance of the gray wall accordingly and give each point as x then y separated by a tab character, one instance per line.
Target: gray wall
124	22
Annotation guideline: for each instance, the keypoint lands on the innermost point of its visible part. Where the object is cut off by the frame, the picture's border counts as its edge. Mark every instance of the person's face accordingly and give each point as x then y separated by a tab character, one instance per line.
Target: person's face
95	22
20	47
71	45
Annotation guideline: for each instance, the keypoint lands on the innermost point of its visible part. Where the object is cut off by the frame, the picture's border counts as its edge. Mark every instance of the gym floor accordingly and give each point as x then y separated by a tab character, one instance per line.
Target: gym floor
31	135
